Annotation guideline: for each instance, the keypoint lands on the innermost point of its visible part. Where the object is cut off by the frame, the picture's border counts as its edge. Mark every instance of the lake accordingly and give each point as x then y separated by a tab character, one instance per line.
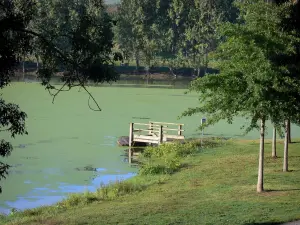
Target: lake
65	137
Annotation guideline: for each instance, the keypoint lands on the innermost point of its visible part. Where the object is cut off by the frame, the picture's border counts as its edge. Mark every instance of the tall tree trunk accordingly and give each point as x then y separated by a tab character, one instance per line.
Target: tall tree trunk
286	148
206	61
289	132
198	72
274	153
137	60
37	63
260	179
23	69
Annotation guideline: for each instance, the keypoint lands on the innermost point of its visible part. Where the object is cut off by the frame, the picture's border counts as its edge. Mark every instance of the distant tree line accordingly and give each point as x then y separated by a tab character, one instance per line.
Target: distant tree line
172	33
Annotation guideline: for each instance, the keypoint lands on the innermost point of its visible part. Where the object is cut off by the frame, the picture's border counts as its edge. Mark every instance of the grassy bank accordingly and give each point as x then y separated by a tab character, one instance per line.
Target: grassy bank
191	185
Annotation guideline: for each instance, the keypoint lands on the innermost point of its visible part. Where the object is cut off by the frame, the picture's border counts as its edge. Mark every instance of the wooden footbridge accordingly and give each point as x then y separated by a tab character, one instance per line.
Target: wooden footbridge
155	132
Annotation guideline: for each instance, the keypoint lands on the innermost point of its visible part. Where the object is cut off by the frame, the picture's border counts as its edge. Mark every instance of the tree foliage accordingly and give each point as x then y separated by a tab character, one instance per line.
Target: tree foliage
78	38
179	33
200	33
251	82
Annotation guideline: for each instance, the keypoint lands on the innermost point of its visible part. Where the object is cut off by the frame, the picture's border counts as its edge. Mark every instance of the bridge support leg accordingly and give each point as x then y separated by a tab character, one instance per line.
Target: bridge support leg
129	155
130	142
131	135
161	138
179	130
150	128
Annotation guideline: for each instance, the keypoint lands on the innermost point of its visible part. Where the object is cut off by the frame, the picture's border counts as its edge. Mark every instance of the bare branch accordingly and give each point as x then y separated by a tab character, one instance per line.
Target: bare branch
81	83
94	100
59	90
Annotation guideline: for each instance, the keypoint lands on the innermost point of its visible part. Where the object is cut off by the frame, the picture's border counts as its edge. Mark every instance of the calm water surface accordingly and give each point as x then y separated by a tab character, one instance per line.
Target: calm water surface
65	137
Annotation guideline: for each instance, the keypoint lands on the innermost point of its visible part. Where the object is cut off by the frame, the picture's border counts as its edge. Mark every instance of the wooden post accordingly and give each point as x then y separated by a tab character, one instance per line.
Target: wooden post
179	130
160	134
129	155
150	128
131	135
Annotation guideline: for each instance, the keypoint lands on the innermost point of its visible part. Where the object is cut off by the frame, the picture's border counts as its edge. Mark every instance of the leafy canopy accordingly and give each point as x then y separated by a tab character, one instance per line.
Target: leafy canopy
250	83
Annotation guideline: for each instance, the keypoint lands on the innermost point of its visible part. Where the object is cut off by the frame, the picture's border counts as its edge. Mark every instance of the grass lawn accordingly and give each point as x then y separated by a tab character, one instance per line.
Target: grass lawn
216	186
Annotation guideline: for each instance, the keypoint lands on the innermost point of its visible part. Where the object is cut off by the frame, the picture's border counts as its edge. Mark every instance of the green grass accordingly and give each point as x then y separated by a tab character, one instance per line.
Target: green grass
216	186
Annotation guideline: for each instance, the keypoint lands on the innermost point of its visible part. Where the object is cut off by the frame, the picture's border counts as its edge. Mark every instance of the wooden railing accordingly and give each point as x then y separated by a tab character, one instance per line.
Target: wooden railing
155	132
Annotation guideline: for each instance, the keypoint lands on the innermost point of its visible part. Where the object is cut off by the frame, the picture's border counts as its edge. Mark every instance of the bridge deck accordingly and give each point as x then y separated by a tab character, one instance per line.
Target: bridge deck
155	132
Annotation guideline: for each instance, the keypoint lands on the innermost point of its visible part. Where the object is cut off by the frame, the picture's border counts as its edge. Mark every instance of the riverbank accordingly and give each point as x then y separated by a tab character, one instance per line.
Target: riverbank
214	185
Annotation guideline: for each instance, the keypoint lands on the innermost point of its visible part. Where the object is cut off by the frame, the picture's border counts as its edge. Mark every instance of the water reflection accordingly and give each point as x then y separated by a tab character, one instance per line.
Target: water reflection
32	202
47	195
106	179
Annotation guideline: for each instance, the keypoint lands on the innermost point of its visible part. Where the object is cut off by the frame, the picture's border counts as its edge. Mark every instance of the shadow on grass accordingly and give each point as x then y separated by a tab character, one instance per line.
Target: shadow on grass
295	142
289	171
267	223
295	189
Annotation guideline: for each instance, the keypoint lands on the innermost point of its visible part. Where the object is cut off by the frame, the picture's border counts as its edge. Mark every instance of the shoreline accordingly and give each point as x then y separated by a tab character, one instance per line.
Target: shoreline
49	200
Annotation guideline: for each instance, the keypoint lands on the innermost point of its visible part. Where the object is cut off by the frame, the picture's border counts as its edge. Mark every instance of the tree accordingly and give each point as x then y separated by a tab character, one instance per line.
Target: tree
78	38
250	84
73	35
136	30
148	30
125	32
291	63
200	33
190	33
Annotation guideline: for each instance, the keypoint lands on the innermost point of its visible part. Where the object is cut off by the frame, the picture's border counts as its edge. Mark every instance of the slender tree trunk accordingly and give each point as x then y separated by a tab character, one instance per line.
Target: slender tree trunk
260	179
37	63
137	60
172	72
286	148
23	69
289	132
198	72
37	67
206	61
274	153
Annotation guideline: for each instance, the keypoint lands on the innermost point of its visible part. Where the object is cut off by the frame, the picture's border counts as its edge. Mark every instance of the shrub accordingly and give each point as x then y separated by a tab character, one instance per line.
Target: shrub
168	165
121	188
176	148
166	158
105	192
